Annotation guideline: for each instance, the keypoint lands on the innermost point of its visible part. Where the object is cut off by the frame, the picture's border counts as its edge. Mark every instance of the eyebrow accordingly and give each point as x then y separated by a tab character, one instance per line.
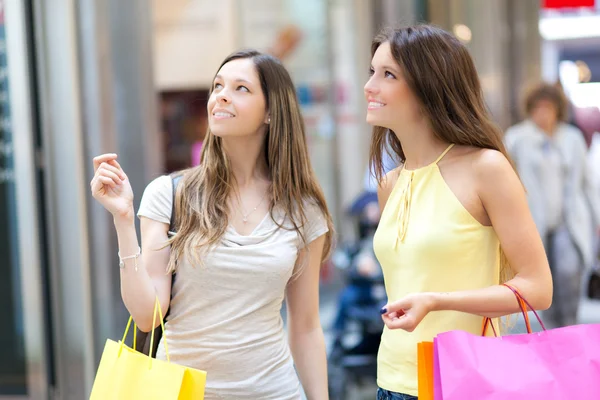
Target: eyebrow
395	69
237	80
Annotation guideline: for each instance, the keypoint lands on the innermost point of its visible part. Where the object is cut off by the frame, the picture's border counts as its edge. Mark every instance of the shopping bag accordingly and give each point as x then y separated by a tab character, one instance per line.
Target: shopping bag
126	374
425	370
558	364
428	373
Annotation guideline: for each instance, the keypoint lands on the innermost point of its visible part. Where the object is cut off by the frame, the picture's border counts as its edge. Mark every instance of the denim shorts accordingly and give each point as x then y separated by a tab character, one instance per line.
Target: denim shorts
383	394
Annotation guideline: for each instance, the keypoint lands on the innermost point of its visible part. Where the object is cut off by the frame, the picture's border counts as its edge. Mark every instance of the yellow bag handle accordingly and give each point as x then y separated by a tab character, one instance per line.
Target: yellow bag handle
162	324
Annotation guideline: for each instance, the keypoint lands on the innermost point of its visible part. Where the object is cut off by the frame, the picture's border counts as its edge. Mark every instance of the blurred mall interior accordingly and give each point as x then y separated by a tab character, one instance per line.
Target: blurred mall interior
83	77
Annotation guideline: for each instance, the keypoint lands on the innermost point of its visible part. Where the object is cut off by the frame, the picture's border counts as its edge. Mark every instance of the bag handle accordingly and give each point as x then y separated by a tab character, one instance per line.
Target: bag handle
162	324
523	302
523	309
488	321
157	309
523	305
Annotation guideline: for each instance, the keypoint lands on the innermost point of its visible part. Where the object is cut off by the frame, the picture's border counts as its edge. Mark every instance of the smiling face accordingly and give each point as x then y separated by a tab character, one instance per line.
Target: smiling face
237	105
390	99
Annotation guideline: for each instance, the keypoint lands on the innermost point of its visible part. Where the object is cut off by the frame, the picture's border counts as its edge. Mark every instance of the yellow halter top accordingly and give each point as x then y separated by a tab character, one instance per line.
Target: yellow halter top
427	241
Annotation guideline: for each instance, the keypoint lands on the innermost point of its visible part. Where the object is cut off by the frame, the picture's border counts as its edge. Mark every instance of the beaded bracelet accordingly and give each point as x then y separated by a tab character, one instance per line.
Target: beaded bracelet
135	257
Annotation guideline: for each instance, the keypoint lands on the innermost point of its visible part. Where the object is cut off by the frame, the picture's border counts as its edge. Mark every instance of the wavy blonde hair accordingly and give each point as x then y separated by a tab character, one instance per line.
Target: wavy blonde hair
200	204
440	72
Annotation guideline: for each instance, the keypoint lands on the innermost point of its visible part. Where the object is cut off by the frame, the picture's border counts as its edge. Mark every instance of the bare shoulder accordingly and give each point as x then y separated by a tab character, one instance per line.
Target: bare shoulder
475	160
489	163
477	168
494	173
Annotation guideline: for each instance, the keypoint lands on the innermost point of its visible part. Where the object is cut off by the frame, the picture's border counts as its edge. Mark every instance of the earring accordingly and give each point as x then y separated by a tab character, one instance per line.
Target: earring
269	120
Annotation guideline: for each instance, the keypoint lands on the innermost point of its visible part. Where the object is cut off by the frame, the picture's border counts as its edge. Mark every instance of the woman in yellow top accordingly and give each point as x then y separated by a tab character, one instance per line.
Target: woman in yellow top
455	220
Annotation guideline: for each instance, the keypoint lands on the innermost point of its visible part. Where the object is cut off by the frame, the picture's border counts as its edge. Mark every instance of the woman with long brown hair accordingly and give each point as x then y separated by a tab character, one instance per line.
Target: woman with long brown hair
455	221
253	228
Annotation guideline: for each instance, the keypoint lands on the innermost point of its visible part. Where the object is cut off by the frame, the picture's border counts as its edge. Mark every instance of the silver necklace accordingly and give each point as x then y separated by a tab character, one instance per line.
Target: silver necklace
245	216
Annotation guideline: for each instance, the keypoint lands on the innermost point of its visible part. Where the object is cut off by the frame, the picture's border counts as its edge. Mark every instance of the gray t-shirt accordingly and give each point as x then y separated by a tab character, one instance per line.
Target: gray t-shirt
553	183
541	166
225	315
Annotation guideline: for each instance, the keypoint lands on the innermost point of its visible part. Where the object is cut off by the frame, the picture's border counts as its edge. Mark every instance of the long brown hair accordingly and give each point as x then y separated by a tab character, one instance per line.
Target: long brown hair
203	191
440	72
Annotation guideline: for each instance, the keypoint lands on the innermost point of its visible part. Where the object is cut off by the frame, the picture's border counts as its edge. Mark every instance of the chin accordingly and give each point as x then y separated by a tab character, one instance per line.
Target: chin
231	133
375	121
219	133
220	130
370	120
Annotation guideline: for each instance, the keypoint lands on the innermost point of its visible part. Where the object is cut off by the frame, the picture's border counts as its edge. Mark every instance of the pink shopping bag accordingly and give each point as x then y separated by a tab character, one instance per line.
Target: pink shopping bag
555	364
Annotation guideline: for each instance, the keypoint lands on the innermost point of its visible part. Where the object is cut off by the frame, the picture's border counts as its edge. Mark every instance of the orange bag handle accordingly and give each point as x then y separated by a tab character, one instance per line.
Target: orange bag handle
523	305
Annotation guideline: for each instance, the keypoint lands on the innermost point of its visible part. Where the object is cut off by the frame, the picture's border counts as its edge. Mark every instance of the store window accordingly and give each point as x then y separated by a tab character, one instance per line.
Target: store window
13	376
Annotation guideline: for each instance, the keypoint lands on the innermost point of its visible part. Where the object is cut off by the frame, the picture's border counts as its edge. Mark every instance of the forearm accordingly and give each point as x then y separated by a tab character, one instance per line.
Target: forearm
308	350
137	289
493	301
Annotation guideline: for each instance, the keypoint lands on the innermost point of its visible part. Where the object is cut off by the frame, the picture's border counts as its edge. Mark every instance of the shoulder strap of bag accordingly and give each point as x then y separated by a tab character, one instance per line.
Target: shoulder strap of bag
143	344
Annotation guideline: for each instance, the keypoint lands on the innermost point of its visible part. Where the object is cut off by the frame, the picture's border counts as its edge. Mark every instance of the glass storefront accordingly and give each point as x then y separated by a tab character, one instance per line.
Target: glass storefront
13	373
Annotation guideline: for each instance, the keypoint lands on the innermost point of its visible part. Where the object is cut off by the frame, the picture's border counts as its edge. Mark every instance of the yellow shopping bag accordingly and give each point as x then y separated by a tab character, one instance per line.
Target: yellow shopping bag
126	374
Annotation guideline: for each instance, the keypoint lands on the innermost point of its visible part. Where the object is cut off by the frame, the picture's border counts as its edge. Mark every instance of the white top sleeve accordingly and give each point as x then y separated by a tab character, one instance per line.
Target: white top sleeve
316	224
157	200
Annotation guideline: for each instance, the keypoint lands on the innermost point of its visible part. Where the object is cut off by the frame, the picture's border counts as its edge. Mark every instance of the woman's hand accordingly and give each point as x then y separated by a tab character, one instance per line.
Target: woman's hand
110	186
407	312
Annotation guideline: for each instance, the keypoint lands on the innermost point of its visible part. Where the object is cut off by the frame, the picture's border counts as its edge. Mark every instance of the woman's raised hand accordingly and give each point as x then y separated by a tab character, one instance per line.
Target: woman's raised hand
110	186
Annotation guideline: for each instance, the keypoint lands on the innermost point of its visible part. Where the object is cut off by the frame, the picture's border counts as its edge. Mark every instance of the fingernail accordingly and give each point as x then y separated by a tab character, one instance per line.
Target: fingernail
383	310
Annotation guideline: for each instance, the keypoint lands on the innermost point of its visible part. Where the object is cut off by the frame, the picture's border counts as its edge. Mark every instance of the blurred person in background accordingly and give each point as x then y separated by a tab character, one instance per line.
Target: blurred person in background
364	270
593	284
587	119
552	160
594	157
455	221
253	228
357	326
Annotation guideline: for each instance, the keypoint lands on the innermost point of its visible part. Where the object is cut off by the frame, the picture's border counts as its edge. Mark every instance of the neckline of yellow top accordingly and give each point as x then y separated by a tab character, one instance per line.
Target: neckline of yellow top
404	205
437	160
